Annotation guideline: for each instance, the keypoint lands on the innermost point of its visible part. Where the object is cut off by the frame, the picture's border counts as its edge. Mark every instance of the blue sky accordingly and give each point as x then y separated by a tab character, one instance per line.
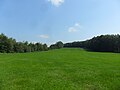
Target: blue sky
48	21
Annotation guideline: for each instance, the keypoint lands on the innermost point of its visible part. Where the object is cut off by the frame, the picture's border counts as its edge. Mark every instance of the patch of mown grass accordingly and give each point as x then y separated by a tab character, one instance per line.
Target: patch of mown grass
64	69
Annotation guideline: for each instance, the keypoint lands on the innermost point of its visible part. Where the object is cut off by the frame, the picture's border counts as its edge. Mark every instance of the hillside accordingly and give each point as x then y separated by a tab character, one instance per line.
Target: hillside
63	69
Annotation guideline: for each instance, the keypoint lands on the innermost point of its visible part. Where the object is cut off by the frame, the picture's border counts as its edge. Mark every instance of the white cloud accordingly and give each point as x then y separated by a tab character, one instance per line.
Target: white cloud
74	28
77	24
56	3
44	36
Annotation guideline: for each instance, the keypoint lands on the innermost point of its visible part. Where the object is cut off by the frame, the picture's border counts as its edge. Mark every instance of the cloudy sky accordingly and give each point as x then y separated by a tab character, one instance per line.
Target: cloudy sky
48	21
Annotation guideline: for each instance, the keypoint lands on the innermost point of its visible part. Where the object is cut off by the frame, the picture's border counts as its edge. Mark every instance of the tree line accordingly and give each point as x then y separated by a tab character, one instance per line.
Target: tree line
10	45
103	43
57	45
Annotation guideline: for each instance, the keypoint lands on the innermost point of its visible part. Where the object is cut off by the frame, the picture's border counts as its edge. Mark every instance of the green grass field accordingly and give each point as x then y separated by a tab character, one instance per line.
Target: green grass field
64	69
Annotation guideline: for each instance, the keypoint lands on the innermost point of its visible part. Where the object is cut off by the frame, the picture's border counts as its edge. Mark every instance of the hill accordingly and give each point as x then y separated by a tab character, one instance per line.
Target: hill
63	69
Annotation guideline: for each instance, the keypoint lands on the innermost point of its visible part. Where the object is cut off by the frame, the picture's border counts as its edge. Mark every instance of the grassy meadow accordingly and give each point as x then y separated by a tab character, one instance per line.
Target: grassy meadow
62	69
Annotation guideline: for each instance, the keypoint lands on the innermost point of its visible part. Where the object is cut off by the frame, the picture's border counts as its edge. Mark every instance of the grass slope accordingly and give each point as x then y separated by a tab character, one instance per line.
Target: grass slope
64	69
